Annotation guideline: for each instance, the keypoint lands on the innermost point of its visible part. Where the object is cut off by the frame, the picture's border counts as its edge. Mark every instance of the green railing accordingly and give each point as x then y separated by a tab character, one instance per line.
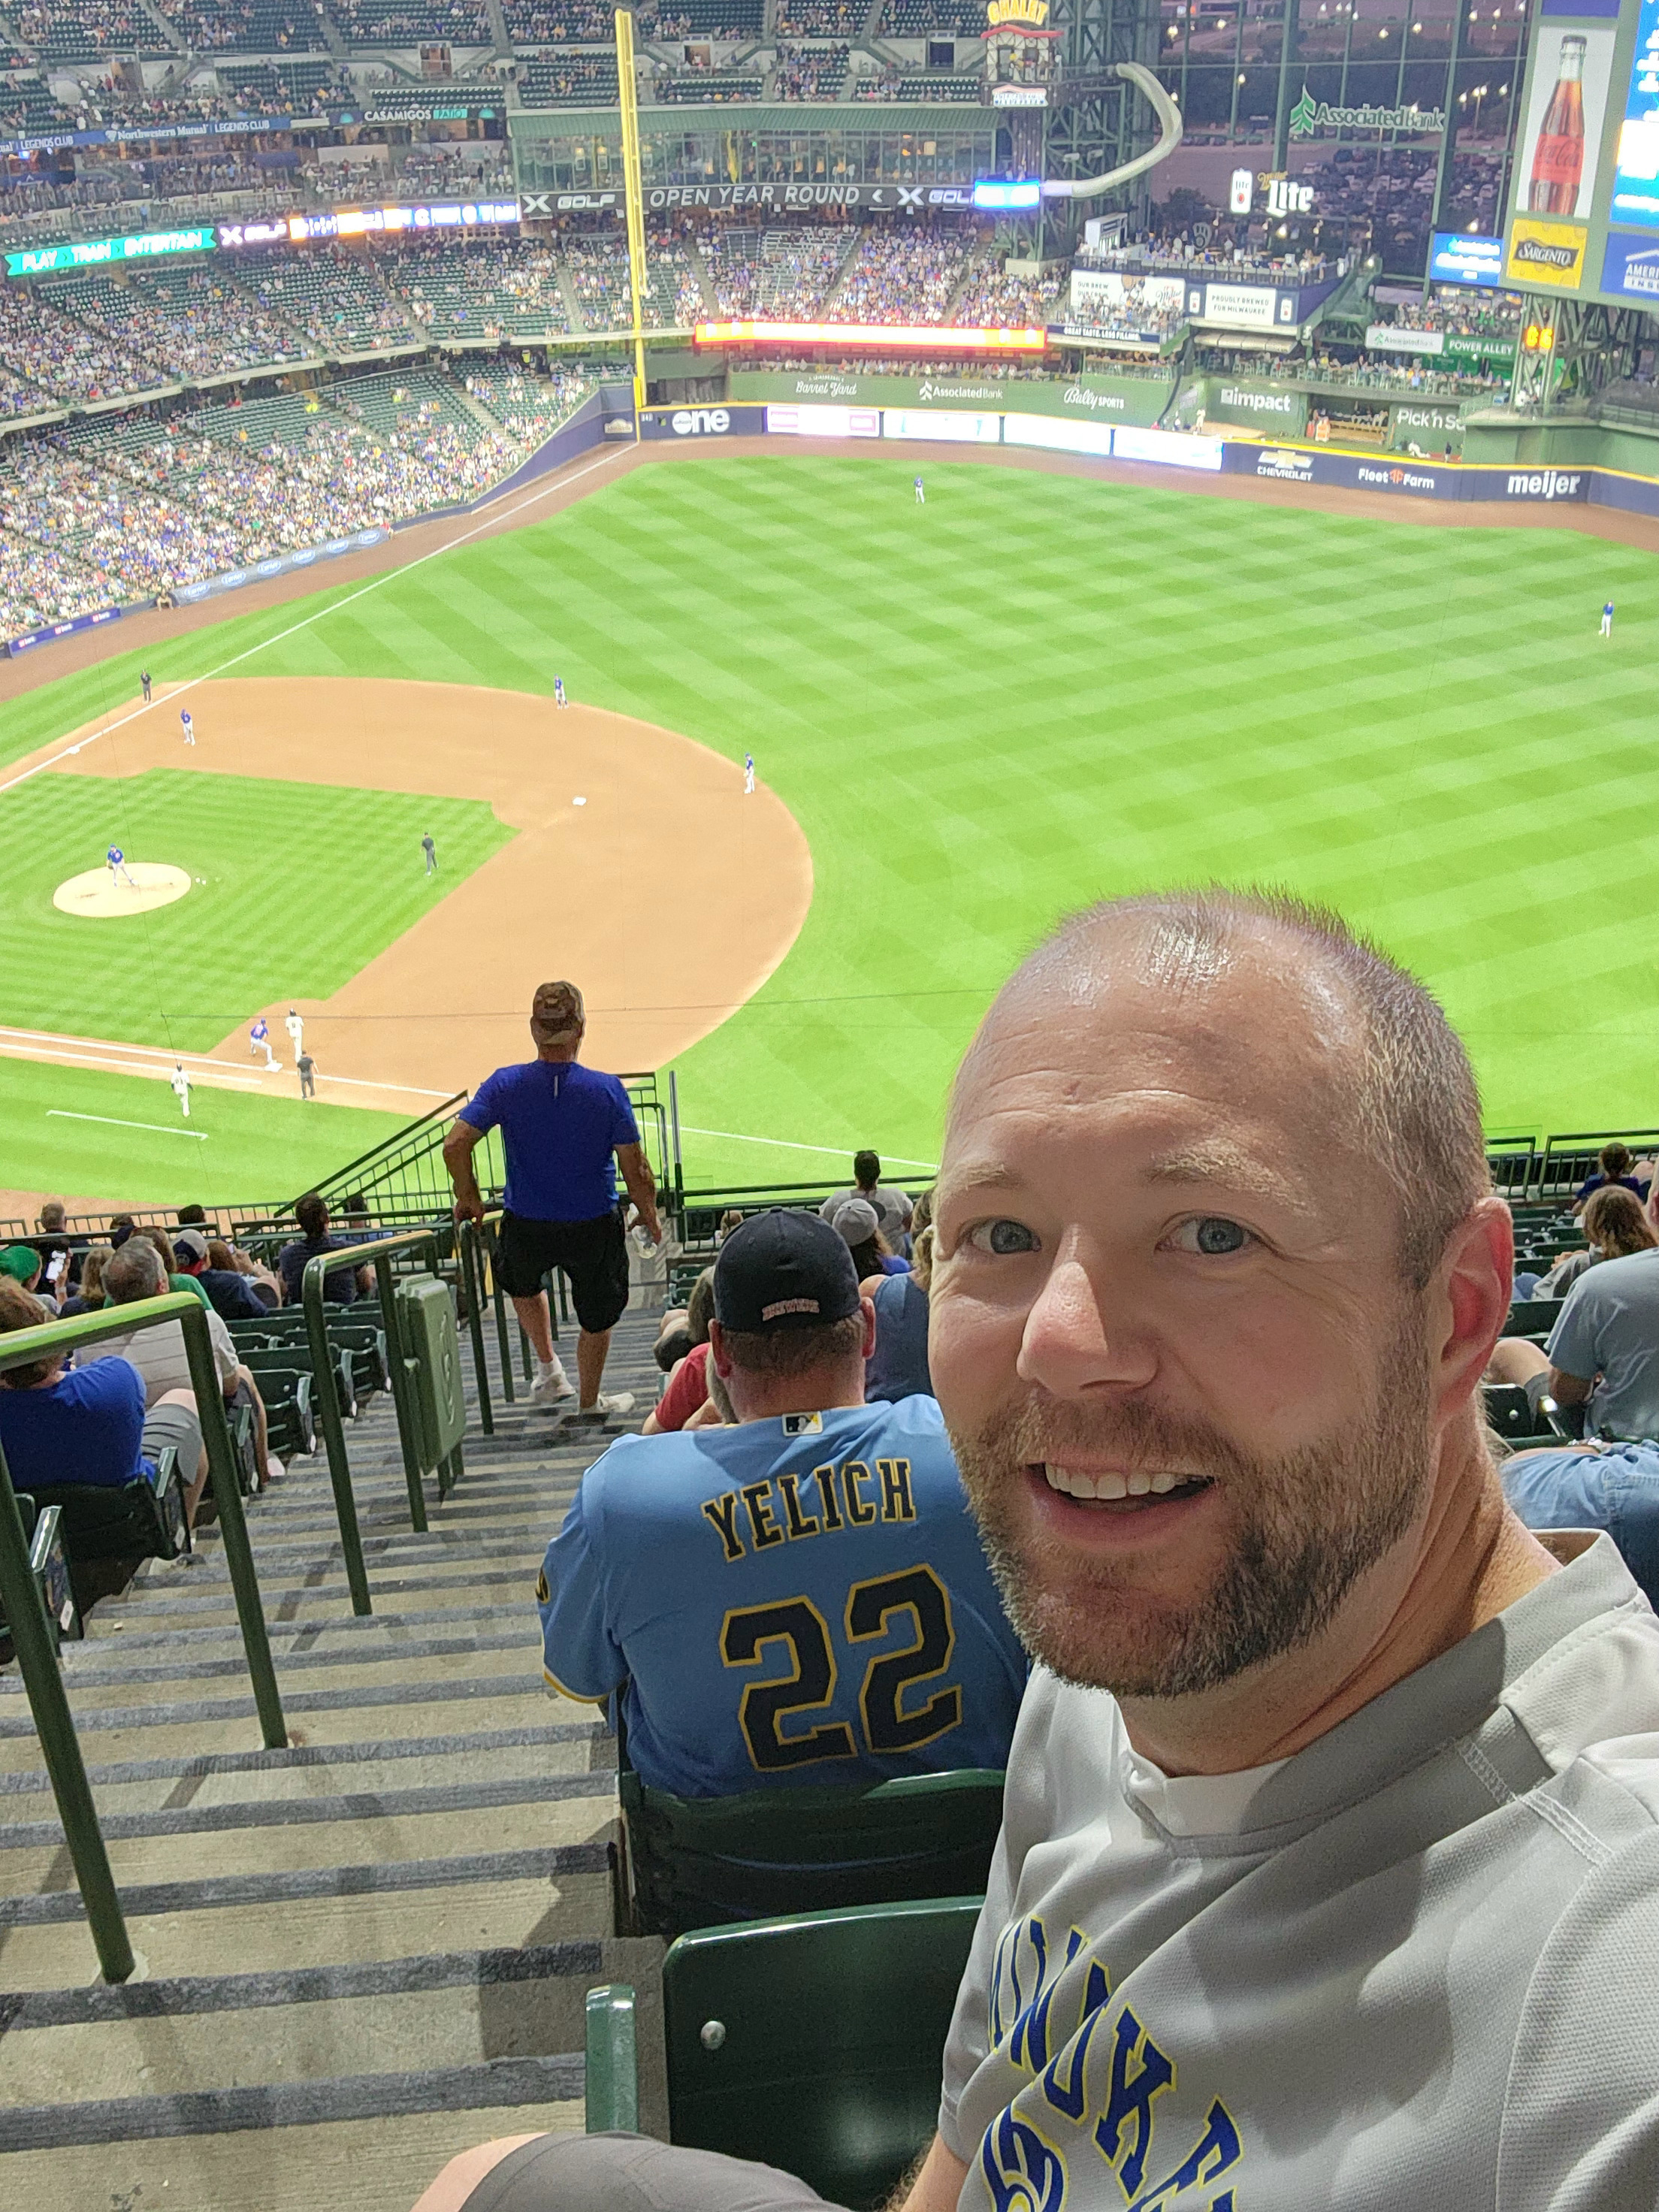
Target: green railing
378	1253
31	1633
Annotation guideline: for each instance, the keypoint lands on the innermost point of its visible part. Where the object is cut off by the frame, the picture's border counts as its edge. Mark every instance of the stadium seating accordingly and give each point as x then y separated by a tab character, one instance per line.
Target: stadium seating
711	85
811	2043
543	22
785	274
142	1520
49	1564
894	278
569	80
406	22
699	1862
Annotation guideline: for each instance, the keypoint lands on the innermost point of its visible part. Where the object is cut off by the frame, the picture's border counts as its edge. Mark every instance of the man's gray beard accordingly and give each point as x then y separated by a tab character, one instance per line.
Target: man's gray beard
1306	1527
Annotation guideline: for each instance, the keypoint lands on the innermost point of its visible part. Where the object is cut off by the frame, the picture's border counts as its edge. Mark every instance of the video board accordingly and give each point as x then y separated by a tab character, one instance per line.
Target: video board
1583	218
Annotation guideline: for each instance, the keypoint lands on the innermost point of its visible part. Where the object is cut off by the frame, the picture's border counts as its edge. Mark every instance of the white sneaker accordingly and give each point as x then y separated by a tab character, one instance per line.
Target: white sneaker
609	1405
551	1387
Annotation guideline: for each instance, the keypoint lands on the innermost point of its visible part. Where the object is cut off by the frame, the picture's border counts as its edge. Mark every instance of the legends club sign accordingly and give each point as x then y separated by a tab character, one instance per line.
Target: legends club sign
1310	116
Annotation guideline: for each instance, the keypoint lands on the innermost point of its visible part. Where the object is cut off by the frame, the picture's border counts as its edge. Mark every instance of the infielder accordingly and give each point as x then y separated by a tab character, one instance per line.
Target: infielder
190	727
431	852
258	1041
748	773
117	860
143	677
295	1026
181	1087
559	699
922	496
1606	619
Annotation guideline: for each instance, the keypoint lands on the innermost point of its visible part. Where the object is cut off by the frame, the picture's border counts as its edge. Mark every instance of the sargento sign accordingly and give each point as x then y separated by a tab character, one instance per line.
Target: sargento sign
892	199
96	253
886	338
1550	254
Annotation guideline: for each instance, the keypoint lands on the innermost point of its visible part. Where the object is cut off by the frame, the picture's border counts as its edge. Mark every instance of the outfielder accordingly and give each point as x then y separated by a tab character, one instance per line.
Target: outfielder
431	851
559	699
922	496
748	773
117	861
181	1087
258	1041
1606	619
190	727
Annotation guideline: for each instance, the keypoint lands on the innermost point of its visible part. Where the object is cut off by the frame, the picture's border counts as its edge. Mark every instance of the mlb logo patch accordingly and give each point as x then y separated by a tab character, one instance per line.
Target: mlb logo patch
803	1424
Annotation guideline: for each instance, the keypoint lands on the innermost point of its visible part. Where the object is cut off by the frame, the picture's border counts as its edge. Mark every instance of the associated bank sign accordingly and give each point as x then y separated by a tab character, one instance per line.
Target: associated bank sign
1310	116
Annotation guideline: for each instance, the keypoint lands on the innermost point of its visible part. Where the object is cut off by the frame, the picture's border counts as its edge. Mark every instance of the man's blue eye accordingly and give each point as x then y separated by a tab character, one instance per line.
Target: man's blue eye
1003	1238
1215	1233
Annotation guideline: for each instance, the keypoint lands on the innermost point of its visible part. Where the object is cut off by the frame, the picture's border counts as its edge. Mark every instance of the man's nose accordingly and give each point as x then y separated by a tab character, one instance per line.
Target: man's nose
1078	1337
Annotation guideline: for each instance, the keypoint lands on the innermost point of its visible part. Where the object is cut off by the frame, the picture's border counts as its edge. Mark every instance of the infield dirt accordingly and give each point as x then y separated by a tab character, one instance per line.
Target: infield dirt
669	896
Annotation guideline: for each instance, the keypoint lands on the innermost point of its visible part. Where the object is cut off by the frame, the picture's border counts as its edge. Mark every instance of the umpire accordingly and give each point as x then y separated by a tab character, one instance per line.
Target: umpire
560	1124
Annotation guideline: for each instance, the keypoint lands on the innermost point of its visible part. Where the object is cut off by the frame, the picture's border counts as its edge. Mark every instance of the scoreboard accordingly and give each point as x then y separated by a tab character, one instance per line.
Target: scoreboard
1584	195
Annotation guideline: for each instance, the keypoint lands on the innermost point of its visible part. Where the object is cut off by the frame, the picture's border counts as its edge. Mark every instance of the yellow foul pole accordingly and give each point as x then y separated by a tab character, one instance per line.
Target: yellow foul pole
631	136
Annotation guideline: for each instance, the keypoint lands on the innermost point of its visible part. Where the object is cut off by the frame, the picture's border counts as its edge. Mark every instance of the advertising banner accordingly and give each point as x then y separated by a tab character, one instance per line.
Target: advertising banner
1273	408
1546	253
1395	338
1149	304
814	421
946	423
702	423
1289	464
1241	306
34	637
1636	169
1566	110
1101	398
888	200
1630	266
1054	434
1457	257
97	252
1168	449
1422	422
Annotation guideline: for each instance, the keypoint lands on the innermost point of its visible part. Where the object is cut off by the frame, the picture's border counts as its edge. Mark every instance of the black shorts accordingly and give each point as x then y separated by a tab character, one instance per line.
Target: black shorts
592	1256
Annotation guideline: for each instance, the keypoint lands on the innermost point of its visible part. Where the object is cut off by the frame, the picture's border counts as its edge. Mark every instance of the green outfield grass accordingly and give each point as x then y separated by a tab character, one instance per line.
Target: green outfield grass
1040	689
298	887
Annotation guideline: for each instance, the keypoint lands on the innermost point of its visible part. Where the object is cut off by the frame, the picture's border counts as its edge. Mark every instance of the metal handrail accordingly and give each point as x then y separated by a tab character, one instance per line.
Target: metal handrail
378	1254
31	1635
477	1247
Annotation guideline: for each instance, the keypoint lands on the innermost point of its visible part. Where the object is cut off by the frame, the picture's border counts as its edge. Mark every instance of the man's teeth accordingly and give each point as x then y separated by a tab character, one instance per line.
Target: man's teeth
1075	1484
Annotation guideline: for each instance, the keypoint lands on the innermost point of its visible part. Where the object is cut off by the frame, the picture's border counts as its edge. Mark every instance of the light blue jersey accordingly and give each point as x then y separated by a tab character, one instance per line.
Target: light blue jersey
794	1601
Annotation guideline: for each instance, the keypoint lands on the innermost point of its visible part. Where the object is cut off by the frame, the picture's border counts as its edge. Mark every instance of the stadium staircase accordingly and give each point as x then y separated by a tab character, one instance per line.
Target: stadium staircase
375	1942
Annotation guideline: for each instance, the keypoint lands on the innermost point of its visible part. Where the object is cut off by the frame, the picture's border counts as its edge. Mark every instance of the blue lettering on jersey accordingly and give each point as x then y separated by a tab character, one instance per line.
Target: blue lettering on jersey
1107	2071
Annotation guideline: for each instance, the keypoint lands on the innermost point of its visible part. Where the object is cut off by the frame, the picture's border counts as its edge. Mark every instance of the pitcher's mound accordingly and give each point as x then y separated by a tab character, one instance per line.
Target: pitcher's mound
99	895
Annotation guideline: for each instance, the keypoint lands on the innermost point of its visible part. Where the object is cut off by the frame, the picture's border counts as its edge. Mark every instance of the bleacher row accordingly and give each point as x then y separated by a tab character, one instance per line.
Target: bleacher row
116	508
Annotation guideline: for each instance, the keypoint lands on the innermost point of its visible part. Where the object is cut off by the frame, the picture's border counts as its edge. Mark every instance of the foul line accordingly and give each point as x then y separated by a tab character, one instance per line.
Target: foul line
158	1128
178	690
784	1144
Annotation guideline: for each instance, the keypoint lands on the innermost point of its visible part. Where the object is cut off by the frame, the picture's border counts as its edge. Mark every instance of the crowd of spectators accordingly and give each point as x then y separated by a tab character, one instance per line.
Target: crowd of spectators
820	19
902	276
552	22
810	72
994	297
778	275
1499	317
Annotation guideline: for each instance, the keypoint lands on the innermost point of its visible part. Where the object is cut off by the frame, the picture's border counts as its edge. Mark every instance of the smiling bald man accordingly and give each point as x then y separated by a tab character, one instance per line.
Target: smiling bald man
1329	1868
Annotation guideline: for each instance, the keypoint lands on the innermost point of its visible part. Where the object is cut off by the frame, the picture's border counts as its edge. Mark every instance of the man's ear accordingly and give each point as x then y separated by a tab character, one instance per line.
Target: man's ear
718	1353
867	1307
1468	1301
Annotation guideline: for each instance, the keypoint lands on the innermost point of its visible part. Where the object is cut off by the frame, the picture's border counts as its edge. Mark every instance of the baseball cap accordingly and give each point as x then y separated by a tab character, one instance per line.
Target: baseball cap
191	1242
557	1012
857	1221
783	1270
19	1261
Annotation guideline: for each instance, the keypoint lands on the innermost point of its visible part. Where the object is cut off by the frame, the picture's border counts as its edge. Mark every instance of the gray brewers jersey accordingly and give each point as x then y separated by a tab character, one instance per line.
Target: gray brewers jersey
1413	1969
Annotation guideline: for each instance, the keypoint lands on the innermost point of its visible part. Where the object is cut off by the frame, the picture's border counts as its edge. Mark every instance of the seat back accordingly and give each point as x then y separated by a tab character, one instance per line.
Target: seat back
106	1523
701	1862
1509	1411
1532	1316
814	2043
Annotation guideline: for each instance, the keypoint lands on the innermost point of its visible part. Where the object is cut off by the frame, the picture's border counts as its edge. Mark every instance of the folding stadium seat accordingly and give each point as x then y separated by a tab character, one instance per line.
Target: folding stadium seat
705	1861
1532	1318
811	2043
1508	1411
49	1564
140	1521
287	1387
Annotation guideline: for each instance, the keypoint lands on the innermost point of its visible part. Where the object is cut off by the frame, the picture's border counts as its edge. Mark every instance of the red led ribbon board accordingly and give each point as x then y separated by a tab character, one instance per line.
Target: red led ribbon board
883	337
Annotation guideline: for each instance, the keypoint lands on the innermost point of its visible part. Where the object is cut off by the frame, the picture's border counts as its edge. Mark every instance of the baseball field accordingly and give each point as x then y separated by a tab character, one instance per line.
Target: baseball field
967	717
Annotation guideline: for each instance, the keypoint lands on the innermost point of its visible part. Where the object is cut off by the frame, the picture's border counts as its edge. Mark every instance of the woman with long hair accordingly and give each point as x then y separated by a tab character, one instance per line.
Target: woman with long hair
1615	1225
897	1367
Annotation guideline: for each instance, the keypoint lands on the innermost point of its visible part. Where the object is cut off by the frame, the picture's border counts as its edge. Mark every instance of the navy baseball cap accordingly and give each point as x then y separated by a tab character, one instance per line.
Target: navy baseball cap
784	1270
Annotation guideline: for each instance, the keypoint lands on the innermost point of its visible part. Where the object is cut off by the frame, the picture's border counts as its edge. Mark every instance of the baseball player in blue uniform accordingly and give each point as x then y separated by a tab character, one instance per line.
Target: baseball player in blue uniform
116	860
801	1598
559	699
258	1041
921	494
190	727
748	773
1606	619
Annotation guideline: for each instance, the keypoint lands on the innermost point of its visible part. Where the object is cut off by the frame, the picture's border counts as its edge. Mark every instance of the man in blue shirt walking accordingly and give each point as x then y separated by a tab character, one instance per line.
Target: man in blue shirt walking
561	1123
801	1598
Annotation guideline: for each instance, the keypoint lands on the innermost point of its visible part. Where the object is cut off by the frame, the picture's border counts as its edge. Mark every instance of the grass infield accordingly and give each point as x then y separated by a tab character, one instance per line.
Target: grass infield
1040	689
